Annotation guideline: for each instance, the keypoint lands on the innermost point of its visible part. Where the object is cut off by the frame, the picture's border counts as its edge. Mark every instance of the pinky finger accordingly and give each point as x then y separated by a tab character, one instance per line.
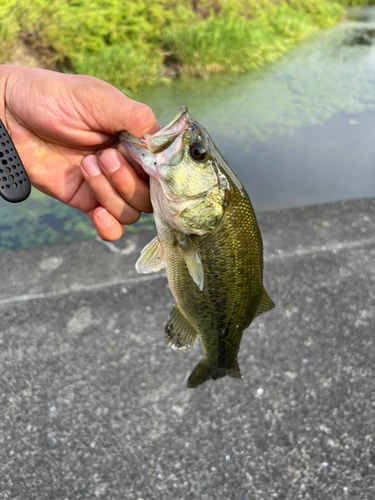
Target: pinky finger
109	228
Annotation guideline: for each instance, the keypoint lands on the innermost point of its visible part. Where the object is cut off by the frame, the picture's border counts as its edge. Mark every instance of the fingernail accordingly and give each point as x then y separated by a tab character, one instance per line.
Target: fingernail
90	165
110	161
104	217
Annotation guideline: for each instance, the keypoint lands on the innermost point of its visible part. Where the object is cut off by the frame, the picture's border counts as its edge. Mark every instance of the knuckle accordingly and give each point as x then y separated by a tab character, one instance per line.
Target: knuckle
145	117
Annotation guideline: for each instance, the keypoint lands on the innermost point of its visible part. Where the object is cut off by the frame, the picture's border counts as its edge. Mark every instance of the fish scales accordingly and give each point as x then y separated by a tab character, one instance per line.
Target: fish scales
215	276
220	316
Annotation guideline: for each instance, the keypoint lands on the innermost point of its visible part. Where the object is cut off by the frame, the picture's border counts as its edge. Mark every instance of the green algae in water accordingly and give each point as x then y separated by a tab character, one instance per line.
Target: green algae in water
41	220
327	75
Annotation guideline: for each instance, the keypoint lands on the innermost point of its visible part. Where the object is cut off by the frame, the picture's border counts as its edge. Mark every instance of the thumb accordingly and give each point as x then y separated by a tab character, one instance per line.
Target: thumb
113	111
139	119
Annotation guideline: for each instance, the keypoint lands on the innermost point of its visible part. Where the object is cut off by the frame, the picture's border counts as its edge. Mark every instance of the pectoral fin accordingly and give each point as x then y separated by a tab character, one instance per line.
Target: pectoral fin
192	259
265	305
179	334
151	259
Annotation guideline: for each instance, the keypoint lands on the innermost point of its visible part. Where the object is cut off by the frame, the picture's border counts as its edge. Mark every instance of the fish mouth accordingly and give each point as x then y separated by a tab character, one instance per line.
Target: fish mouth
166	135
164	147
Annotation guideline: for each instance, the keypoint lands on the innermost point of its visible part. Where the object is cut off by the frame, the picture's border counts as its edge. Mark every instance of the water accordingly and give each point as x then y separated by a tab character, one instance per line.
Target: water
297	132
300	131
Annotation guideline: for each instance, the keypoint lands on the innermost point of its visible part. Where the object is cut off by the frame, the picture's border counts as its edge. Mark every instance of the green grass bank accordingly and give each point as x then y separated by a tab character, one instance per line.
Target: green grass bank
132	43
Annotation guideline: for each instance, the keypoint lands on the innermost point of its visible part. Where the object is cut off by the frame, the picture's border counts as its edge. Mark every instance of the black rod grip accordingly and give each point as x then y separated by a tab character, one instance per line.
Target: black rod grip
14	183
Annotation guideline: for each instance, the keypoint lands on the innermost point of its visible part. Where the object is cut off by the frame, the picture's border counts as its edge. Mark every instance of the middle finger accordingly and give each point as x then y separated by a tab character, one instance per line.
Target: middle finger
125	180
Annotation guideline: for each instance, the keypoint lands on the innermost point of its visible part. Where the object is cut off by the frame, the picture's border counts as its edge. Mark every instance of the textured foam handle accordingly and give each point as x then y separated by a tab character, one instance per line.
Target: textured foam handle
14	183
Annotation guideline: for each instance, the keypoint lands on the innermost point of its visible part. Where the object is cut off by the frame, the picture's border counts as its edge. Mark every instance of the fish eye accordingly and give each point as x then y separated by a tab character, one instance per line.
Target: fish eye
198	151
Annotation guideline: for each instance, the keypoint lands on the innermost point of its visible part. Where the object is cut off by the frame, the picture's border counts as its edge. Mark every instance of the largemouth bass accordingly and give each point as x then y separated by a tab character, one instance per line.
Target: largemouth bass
208	240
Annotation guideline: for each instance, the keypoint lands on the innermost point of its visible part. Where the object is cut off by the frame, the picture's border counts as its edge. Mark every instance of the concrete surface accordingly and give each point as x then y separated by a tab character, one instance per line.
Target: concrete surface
94	405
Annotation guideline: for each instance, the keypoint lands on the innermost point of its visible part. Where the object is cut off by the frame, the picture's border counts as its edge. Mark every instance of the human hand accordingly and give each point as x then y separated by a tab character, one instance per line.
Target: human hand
60	124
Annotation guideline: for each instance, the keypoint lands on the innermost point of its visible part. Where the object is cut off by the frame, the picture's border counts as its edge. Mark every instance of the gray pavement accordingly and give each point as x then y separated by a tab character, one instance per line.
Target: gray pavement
94	405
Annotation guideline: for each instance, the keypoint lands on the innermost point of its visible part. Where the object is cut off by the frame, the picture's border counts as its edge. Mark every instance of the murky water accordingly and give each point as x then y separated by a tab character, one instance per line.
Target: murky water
298	132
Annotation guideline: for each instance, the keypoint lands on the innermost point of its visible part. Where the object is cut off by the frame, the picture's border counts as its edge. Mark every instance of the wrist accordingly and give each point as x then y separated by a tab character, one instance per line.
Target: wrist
7	74
5	71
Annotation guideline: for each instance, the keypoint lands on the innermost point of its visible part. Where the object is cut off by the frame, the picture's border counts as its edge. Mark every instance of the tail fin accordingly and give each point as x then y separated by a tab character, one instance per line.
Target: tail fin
235	371
204	371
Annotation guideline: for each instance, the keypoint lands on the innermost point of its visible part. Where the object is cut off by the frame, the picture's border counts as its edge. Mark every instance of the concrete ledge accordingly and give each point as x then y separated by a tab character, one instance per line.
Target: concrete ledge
94	405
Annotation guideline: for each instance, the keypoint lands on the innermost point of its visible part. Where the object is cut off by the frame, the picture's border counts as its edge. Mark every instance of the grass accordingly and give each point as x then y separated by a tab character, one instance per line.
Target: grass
133	43
231	42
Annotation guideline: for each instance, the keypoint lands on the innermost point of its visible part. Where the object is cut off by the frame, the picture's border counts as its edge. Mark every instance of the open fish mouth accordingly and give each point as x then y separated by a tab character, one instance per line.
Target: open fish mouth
164	137
164	147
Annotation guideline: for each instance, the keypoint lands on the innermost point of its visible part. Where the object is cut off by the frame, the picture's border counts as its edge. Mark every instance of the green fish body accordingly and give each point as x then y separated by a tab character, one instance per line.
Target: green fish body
208	240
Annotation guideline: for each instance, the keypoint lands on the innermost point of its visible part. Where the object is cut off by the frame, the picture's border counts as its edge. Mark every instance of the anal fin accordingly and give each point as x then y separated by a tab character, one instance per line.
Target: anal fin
265	305
151	259
179	334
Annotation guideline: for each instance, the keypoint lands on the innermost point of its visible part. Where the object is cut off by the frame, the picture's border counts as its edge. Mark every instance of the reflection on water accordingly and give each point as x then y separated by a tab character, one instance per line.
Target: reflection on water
314	165
361	36
361	14
297	132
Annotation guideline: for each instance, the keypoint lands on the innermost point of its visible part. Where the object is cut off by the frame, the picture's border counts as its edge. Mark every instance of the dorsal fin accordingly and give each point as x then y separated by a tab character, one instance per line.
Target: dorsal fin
179	334
151	259
265	305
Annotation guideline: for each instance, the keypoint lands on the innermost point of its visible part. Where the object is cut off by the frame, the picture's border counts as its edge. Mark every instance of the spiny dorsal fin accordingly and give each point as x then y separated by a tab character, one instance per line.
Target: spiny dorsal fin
192	259
151	259
265	305
179	334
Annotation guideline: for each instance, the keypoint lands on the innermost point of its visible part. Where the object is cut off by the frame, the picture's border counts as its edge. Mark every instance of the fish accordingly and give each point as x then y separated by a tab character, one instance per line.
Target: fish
208	240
